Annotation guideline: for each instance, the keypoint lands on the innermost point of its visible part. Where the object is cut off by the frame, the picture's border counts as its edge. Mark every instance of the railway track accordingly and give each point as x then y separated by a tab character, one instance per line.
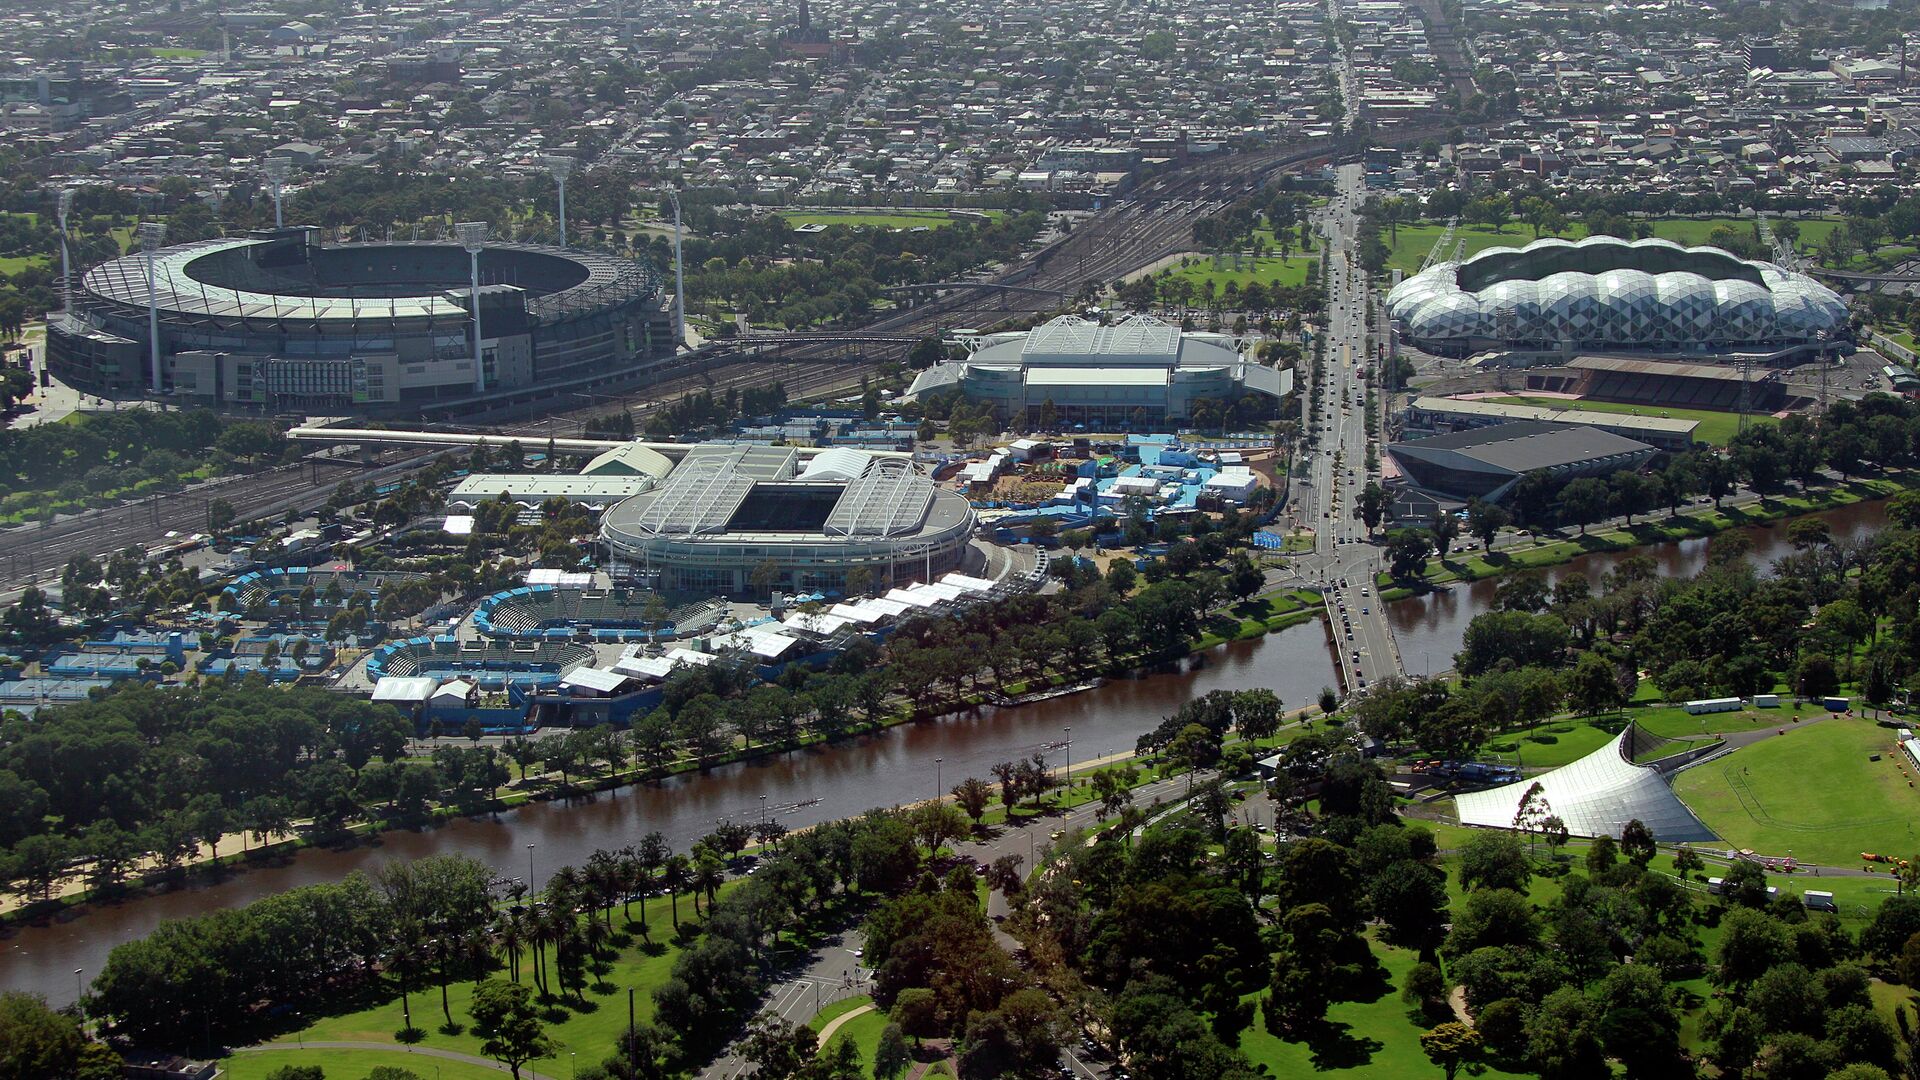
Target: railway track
1150	223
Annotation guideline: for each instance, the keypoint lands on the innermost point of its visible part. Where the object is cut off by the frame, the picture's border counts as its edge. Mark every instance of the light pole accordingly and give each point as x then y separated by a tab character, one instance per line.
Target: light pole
1069	760
938	782
276	170
763	809
679	289
66	268
473	237
529	868
561	167
76	975
152	234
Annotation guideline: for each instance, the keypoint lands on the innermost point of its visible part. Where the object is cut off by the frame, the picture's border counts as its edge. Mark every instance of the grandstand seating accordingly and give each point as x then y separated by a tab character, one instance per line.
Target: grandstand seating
547	612
492	664
1765	392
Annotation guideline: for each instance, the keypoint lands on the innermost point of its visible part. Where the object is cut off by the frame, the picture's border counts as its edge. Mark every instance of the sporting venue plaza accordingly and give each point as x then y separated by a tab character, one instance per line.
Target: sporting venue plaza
279	320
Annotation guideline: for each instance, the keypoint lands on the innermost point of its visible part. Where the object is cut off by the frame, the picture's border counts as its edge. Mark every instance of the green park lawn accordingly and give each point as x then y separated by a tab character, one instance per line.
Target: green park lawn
355	1064
1716	427
589	1031
1268	271
885	219
1812	792
1550	745
864	1030
13	264
1375	1039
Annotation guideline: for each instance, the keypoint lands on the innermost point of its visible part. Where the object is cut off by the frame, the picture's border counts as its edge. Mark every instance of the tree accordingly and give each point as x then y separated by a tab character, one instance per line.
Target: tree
1445	528
972	795
891	1057
916	1011
1407	551
36	1042
508	1024
1636	843
1494	860
1485	520
1584	501
1371	506
1449	1045
1329	701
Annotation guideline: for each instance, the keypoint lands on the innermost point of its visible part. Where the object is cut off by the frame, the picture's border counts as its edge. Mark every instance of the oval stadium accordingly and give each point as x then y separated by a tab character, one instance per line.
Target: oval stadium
277	320
1607	293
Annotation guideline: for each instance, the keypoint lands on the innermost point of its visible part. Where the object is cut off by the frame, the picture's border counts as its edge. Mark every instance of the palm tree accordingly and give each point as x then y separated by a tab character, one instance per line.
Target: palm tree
676	873
406	943
653	854
709	873
511	933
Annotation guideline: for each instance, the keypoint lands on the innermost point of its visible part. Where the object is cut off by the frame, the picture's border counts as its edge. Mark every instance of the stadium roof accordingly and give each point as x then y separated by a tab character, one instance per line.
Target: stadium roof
1504	411
1133	339
703	496
1091	376
1595	796
1527	445
181	287
1717	372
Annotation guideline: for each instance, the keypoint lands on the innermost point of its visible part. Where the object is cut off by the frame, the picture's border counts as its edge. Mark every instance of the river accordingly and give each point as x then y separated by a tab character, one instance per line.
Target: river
900	765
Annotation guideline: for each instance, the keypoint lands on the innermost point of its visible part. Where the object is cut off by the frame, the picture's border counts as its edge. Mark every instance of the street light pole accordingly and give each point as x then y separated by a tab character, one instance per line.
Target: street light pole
938	780
529	868
1069	758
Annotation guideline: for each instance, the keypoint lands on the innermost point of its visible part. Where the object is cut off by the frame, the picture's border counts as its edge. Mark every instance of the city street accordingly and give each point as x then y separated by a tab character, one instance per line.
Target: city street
1344	561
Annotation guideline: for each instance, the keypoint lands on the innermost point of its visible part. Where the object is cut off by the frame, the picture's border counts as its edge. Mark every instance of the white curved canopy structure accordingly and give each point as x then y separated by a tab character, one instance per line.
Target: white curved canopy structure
1595	796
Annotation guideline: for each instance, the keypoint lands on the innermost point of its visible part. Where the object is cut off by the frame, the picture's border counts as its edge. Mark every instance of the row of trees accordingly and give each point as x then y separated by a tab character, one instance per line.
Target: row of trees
101	453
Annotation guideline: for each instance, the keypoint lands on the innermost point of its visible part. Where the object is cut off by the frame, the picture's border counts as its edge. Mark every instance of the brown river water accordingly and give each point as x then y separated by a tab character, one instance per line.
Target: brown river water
900	765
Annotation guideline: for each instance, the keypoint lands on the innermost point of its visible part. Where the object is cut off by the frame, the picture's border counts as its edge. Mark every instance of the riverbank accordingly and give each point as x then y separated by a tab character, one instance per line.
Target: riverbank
1689	525
1240	621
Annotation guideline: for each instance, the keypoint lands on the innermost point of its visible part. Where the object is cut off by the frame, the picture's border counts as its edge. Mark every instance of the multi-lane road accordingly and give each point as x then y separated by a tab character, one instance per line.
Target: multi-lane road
1344	560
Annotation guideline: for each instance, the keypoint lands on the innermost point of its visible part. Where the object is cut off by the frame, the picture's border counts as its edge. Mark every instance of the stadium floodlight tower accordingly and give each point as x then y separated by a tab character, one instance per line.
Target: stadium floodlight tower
152	234
65	207
277	169
473	237
679	289
561	167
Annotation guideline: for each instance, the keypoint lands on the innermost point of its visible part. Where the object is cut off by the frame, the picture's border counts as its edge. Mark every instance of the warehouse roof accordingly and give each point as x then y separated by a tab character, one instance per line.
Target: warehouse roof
1526	445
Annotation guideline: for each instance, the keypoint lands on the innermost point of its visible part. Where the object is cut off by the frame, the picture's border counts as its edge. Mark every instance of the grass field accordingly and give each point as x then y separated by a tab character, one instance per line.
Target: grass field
13	264
356	1064
1375	1039
591	1031
1416	240
1267	271
864	1030
880	219
1717	428
1812	792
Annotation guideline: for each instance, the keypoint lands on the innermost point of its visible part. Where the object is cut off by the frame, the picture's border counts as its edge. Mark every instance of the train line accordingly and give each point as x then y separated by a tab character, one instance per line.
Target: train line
1150	223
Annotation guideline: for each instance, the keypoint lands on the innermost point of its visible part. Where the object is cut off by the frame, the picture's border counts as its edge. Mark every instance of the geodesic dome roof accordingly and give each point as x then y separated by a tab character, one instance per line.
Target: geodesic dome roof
1607	291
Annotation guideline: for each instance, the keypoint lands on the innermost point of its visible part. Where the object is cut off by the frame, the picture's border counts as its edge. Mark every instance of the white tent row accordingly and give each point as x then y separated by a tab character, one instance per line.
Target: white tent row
762	643
559	579
633	663
598	680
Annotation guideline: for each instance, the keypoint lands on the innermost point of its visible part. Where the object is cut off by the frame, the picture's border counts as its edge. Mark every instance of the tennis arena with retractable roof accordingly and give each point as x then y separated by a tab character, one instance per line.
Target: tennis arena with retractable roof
726	511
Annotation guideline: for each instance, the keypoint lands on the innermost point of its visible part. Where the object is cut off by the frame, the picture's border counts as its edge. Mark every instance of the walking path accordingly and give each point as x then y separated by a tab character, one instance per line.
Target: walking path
833	1025
427	1051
